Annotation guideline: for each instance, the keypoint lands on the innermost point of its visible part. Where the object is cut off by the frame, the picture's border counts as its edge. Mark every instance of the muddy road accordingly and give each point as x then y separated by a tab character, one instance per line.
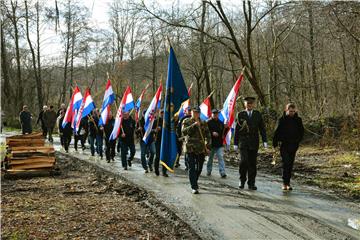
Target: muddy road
222	211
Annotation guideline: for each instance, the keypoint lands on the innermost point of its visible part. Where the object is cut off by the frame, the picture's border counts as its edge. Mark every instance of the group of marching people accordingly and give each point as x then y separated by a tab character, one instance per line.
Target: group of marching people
206	138
196	139
96	135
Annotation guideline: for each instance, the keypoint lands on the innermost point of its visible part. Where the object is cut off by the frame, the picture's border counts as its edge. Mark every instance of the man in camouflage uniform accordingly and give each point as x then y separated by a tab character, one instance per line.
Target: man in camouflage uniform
197	144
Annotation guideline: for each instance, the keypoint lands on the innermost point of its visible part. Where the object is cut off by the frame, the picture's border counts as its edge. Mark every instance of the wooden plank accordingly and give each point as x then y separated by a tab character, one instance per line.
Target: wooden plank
37	155
25	141
22	136
31	166
14	171
20	148
32	161
43	151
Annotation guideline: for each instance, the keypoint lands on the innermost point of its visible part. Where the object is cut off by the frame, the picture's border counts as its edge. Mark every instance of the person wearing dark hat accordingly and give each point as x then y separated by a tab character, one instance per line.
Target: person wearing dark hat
146	148
197	143
289	132
179	138
249	124
158	132
126	140
217	131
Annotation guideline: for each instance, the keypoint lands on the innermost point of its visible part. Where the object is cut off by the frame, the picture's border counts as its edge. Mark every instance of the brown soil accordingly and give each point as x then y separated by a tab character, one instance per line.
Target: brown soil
84	203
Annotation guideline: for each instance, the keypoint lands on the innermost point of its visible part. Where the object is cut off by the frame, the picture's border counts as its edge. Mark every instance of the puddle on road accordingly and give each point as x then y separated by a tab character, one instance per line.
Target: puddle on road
354	223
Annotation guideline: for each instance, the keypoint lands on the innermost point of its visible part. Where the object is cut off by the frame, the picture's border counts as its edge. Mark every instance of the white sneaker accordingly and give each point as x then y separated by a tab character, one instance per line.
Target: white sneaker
195	191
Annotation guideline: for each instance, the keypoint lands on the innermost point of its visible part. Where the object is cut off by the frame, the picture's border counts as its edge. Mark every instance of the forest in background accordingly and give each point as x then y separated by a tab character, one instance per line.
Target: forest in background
306	52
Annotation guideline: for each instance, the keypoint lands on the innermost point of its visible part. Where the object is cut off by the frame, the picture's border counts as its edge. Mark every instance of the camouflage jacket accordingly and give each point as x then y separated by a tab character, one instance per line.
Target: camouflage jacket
194	142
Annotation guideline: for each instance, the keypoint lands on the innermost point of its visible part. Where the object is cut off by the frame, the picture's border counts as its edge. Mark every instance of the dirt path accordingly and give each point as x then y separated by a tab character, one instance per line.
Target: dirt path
84	202
221	211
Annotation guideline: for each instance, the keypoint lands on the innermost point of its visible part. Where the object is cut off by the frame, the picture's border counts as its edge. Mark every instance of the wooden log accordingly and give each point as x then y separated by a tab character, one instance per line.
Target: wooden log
25	142
25	136
32	166
31	161
14	171
26	148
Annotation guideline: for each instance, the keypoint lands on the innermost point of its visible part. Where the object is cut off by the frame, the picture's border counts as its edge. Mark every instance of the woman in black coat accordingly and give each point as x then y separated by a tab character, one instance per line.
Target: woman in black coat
289	132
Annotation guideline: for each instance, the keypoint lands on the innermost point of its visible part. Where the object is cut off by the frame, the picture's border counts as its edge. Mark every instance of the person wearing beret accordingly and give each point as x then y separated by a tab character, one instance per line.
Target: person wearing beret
217	131
249	124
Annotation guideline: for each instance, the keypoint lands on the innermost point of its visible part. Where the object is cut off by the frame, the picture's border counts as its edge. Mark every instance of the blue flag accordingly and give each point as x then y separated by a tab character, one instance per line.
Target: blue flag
176	94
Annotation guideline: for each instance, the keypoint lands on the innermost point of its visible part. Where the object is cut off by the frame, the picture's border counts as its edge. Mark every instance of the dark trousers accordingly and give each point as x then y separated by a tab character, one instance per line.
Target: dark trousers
110	149
65	141
82	139
92	144
157	159
179	145
287	153
44	130
99	145
196	162
145	149
247	166
50	132
125	146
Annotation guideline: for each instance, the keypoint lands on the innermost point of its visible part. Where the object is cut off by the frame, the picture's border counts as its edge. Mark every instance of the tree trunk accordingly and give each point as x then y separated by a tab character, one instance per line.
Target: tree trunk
67	48
7	96
203	53
19	100
37	79
312	53
38	50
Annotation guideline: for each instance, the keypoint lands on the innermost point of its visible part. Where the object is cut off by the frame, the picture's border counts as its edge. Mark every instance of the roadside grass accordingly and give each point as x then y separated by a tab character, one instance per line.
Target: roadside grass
333	169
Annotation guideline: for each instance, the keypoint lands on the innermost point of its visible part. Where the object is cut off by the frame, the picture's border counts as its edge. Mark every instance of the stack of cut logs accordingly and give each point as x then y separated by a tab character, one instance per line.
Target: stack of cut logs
28	153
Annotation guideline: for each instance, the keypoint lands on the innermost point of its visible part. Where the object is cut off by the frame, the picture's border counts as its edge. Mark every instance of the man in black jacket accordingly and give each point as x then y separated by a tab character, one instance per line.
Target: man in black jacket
25	120
81	134
41	121
289	132
217	131
64	132
146	148
158	134
126	140
249	124
180	140
93	121
109	144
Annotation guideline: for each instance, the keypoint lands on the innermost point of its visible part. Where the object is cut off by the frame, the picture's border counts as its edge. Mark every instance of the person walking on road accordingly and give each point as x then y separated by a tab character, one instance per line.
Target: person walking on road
64	132
127	140
249	124
41	121
50	118
25	120
179	139
158	134
109	144
217	131
93	121
197	144
146	148
289	133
